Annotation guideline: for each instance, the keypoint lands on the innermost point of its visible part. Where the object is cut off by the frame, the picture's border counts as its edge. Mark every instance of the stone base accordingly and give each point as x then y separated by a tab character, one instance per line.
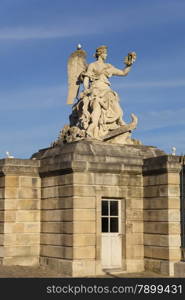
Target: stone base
93	147
85	268
72	268
134	265
160	266
50	209
21	261
179	269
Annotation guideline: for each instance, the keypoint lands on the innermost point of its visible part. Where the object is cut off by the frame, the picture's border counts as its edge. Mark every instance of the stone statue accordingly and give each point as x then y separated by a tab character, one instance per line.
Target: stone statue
97	113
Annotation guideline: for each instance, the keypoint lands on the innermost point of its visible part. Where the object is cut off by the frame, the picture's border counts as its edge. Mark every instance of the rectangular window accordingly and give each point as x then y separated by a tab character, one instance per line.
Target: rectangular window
113	224
114	208
105	225
110	216
104	208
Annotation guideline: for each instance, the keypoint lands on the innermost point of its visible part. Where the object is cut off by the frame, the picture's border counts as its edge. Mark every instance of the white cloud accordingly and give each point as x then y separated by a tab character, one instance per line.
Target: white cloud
22	33
24	141
161	119
152	84
165	141
140	17
69	27
31	98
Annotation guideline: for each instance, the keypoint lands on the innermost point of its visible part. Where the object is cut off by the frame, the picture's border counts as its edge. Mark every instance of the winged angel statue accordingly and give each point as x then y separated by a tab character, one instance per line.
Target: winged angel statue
96	114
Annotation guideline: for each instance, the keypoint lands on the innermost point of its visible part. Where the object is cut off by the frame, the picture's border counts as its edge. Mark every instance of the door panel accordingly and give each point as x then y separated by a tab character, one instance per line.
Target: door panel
111	250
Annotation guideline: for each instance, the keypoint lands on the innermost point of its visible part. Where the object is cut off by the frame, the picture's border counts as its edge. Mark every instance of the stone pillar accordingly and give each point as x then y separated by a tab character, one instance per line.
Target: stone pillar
134	220
19	212
162	239
68	218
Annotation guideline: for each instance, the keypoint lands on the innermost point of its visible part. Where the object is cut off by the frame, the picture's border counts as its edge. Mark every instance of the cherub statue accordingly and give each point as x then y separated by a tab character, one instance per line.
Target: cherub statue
97	113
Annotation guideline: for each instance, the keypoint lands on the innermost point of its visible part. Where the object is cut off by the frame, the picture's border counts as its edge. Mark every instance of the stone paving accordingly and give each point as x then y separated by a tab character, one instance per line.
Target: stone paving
43	272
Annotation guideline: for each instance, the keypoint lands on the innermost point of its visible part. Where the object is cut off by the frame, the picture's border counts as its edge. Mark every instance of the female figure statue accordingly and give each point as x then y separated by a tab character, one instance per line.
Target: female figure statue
106	113
97	111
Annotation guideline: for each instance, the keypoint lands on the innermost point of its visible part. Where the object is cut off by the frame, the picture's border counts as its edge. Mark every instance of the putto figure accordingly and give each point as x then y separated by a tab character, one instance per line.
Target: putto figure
97	113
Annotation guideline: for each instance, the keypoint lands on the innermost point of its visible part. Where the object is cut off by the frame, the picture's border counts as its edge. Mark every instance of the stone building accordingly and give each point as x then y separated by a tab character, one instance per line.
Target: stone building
87	207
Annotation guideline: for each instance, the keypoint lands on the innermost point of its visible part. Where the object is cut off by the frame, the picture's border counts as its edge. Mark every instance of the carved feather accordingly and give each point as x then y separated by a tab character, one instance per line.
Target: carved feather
76	65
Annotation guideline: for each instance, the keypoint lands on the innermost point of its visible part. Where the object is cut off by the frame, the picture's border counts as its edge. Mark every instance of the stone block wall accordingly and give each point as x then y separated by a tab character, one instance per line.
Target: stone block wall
19	212
56	225
73	185
162	238
50	208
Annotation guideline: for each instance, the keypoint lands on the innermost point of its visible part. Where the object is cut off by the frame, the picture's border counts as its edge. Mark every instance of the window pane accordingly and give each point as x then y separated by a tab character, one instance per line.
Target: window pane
114	208
104	208
113	224
104	224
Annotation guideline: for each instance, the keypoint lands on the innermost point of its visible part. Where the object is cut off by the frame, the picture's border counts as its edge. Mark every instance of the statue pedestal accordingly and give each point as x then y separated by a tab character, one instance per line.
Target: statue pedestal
88	185
88	208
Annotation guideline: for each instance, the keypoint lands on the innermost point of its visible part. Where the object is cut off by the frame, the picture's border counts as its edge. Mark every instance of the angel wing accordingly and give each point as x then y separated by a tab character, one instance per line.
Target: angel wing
76	65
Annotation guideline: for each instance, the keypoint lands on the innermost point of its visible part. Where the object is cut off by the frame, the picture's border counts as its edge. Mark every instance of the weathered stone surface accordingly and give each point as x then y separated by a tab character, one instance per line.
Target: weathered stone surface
162	227
13	251
162	215
162	203
12	181
57	251
134	239
68	239
21	261
135	252
1	239
134	265
68	215
84	267
134	226
179	269
22	239
28	216
136	203
134	215
30	182
84	227
20	211
162	240
87	252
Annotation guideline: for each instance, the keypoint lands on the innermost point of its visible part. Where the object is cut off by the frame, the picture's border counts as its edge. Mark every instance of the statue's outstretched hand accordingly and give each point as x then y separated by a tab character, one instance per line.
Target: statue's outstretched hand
130	59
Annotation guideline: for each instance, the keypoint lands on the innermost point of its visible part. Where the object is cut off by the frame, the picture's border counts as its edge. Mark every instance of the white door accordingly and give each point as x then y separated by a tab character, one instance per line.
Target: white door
111	240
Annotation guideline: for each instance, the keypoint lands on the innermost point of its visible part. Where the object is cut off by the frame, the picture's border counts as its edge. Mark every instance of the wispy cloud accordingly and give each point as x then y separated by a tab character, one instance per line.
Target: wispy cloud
152	84
33	98
40	32
23	142
69	27
161	119
116	20
165	141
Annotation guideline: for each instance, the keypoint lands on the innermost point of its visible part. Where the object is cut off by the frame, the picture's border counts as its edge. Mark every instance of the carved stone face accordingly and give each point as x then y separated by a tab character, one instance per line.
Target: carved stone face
103	55
101	52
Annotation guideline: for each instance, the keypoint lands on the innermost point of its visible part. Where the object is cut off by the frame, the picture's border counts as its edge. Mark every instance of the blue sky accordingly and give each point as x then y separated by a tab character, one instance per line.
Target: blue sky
36	39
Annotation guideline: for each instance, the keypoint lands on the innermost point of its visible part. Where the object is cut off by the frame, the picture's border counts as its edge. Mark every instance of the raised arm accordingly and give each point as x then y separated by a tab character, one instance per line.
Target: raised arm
128	60
119	72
